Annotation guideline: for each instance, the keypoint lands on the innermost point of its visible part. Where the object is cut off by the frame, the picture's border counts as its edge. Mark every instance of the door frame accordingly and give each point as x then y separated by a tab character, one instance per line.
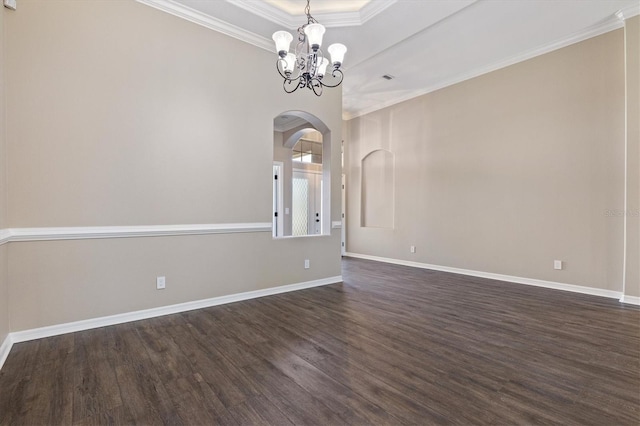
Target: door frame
278	200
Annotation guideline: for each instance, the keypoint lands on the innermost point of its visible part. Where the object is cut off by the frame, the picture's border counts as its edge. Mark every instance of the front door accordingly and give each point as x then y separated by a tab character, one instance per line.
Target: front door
306	202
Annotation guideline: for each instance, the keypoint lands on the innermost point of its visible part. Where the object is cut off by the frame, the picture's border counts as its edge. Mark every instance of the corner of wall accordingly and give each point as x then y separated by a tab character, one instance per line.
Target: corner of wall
632	160
5	341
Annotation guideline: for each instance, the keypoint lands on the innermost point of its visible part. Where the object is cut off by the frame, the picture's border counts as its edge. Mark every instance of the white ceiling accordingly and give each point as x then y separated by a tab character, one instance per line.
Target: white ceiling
424	44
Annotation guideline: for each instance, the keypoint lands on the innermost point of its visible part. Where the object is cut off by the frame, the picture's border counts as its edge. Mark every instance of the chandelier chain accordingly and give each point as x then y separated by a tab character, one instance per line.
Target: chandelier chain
307	11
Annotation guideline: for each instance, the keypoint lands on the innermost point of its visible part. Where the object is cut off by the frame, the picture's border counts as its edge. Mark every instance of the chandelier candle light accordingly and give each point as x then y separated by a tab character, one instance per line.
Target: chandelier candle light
307	66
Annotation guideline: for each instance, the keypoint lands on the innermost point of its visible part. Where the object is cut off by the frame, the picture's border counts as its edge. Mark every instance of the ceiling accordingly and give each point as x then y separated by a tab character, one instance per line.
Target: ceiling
424	44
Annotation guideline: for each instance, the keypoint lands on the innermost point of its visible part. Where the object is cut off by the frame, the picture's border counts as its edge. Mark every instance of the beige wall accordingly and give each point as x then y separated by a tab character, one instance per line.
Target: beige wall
64	281
508	171
119	114
4	285
632	41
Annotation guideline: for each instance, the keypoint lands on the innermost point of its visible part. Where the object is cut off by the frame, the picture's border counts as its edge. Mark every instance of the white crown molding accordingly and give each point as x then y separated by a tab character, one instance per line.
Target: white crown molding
192	15
72	327
334	20
629	11
631	300
329	20
499	277
267	11
5	348
95	232
611	24
373	8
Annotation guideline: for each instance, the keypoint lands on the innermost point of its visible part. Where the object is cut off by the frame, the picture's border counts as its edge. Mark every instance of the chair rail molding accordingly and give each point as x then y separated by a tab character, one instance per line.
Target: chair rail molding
96	232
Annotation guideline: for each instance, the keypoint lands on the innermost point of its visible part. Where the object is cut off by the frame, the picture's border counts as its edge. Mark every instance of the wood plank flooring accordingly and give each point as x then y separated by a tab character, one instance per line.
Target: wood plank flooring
391	345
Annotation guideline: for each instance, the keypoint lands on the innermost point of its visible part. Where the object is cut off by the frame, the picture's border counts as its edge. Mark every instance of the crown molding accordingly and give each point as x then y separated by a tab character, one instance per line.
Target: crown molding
267	11
611	24
329	20
176	9
334	20
373	8
629	12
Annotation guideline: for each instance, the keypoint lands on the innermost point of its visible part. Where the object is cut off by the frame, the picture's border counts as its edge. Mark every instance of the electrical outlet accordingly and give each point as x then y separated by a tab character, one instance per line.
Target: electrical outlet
306	264
161	283
557	264
413	249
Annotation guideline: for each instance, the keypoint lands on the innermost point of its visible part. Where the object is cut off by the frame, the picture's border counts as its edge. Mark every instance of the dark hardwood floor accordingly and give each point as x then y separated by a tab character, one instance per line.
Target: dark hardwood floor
391	345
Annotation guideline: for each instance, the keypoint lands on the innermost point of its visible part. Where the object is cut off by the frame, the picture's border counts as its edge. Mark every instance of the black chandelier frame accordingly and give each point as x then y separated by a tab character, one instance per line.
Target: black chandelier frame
307	65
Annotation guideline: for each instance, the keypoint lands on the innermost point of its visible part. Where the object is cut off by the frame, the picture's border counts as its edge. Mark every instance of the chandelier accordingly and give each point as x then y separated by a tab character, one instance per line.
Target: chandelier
307	65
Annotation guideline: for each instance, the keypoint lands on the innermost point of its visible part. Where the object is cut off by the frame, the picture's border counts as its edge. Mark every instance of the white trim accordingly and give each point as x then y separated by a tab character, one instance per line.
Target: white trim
5	348
335	20
629	11
336	224
500	277
631	300
606	26
373	8
626	161
267	11
5	236
197	17
329	20
71	327
94	232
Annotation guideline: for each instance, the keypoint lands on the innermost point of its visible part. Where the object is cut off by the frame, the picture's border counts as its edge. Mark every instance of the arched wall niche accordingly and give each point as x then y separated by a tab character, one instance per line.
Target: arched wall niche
378	189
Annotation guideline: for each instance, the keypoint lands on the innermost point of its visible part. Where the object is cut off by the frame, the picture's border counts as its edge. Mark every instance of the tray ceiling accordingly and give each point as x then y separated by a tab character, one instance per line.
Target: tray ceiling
425	45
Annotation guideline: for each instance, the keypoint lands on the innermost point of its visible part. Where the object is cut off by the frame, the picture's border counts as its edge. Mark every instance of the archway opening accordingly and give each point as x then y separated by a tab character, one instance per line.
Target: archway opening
302	175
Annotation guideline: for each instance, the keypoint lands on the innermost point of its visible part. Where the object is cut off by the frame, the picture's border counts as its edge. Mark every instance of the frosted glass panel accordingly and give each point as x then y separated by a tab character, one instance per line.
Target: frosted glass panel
300	207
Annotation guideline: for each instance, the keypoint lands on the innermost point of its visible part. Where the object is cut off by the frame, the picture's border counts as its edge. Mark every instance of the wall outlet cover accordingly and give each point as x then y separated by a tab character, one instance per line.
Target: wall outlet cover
161	283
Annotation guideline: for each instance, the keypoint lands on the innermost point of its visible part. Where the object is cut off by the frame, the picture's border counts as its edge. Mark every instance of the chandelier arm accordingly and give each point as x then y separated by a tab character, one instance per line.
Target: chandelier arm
316	86
288	82
333	74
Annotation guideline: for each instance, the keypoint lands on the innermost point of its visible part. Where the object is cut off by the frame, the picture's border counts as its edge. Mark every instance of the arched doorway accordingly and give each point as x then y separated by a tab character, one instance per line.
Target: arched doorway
302	175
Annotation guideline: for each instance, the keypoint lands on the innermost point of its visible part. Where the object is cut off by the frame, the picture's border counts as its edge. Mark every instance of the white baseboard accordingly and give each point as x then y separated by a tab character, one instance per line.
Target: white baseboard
632	300
500	277
5	348
71	327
